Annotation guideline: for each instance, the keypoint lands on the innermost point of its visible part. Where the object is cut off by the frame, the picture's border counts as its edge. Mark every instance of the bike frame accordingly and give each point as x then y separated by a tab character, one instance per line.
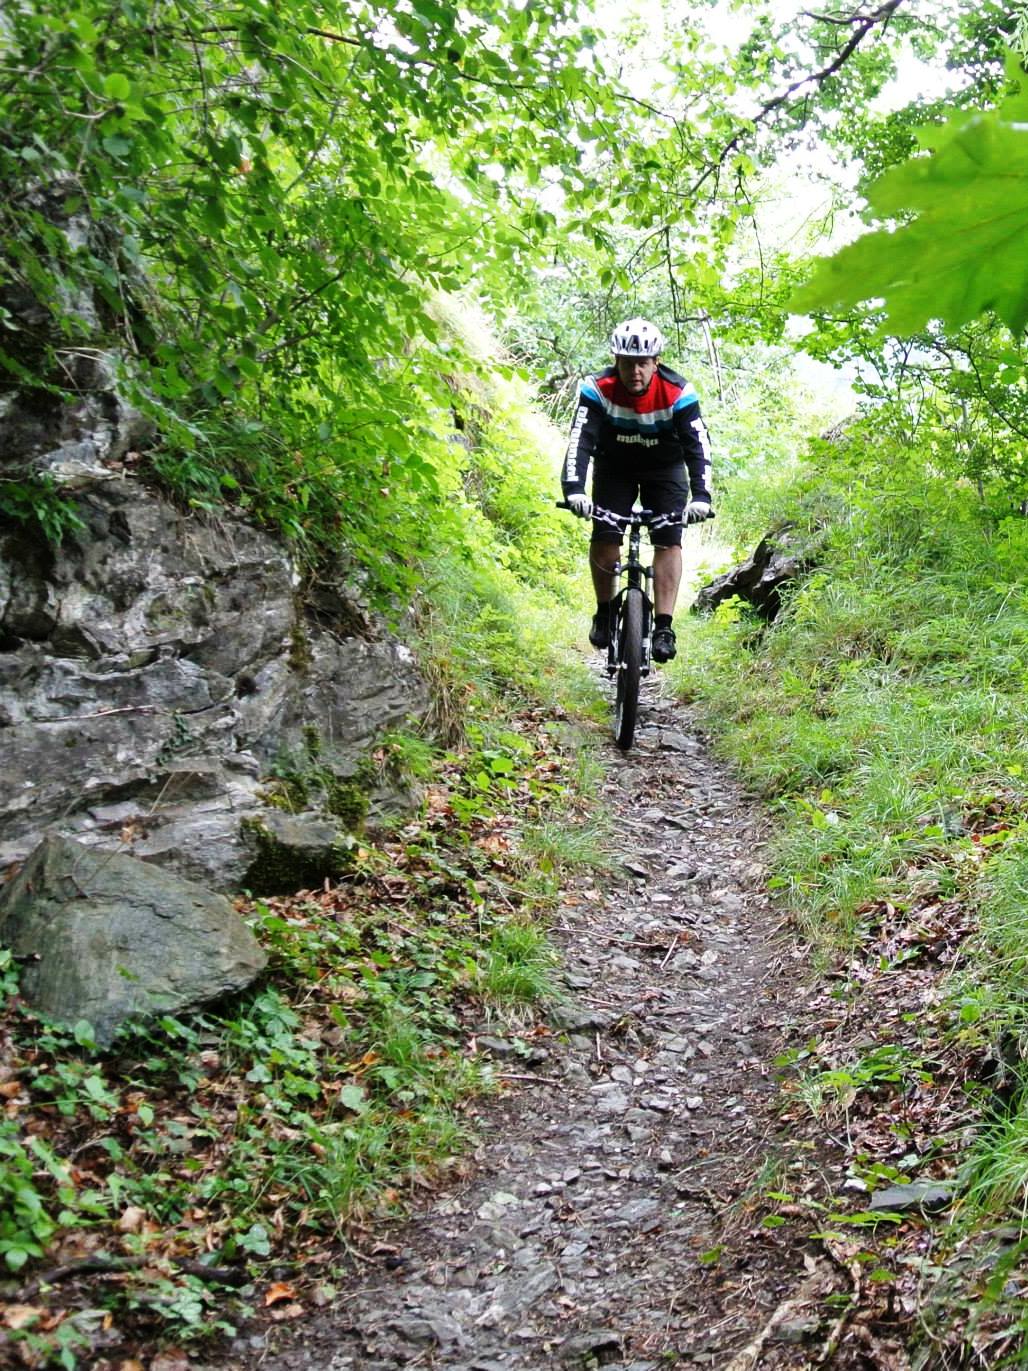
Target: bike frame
628	653
638	575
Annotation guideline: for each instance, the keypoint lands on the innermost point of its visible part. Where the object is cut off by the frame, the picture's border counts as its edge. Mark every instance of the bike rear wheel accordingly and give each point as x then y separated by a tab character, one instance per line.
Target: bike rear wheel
630	653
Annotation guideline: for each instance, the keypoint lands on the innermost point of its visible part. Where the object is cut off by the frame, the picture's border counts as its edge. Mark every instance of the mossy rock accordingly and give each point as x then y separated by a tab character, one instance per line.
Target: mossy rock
294	852
308	783
347	800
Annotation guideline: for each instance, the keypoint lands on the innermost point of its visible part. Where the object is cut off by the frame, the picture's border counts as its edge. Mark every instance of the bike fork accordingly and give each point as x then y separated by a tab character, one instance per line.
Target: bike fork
615	619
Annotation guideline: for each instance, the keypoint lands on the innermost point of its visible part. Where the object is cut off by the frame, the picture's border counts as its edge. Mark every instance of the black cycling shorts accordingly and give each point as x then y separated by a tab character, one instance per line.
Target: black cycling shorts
665	491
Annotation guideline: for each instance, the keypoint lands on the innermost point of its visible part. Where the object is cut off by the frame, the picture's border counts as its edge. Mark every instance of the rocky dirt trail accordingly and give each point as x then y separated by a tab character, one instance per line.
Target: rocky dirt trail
592	1229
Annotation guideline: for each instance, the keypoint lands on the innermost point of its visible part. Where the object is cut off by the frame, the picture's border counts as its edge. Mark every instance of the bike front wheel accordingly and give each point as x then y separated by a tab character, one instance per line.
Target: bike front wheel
630	654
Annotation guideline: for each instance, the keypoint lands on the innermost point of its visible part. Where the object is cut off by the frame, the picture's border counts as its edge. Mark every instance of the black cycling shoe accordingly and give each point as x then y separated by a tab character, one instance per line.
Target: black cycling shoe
663	647
599	633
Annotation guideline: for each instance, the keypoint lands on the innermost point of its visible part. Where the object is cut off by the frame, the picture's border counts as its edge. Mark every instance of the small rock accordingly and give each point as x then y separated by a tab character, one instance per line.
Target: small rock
598	1346
517	1295
577	1018
646	1118
635	1211
612	1102
672	741
497	1047
429	1329
658	1102
796	1330
497	1205
685	960
928	1196
675	1043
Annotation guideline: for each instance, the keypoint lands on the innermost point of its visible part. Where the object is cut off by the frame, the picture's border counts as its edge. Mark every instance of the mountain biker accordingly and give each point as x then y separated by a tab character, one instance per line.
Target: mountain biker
639	423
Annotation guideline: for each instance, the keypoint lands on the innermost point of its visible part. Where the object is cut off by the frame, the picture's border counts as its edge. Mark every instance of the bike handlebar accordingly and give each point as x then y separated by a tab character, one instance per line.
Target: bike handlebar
642	516
649	517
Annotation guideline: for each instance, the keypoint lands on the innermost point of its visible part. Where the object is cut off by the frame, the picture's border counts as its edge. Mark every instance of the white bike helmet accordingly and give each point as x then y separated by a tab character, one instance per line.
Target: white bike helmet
636	338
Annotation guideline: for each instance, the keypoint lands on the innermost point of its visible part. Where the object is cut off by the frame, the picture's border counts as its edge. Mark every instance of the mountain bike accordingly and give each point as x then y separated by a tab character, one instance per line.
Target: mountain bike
628	653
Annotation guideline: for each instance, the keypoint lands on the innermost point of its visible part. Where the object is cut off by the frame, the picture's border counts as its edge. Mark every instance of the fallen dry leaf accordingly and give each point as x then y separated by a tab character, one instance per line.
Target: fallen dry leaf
279	1291
172	1359
288	1311
18	1315
131	1219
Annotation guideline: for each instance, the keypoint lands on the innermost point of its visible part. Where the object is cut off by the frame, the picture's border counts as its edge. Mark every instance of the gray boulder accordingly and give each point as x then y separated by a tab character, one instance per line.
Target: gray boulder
927	1197
780	558
159	666
295	852
110	939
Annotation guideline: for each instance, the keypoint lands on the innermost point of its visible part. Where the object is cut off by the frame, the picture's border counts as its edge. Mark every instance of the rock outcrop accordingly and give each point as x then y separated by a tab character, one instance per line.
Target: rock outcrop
109	939
158	666
778	561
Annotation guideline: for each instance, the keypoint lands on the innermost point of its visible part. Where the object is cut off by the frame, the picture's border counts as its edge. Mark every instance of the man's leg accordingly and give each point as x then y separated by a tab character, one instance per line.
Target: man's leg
667	576
615	492
666	493
602	560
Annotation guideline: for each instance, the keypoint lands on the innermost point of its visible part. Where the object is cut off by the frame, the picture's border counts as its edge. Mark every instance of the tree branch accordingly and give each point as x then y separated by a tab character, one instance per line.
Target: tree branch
864	24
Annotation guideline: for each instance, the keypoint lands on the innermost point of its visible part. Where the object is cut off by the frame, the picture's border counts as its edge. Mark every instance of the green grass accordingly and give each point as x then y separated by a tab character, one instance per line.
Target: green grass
897	691
518	967
882	716
484	637
569	844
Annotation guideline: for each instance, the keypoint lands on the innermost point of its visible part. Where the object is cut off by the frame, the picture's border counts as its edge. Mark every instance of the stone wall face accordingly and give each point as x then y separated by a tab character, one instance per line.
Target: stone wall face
154	667
158	663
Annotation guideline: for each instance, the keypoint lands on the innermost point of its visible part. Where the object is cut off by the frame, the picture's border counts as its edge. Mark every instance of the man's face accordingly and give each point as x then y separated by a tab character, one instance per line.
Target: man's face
635	373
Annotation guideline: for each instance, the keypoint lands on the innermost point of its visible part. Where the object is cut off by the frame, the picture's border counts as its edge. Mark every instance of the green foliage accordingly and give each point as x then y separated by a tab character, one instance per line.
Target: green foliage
1004	910
886	695
308	782
885	1066
181	185
25	1225
963	212
38	502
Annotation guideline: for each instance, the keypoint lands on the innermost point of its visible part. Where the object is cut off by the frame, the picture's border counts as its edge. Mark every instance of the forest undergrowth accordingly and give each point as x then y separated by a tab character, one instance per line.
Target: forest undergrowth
157	1192
191	229
881	716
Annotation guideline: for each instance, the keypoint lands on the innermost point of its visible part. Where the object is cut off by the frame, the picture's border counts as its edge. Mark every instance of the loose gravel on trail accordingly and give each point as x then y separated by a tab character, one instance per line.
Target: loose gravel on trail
587	1234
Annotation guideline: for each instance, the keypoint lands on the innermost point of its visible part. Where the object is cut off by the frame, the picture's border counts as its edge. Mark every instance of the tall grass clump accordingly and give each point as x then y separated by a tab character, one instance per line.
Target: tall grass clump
888	693
500	571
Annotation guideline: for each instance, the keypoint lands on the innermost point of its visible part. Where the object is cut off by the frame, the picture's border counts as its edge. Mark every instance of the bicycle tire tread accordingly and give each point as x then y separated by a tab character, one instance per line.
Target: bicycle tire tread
630	654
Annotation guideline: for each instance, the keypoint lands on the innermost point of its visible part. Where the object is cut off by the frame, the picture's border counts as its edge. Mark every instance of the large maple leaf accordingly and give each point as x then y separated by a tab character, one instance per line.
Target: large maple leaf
958	244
